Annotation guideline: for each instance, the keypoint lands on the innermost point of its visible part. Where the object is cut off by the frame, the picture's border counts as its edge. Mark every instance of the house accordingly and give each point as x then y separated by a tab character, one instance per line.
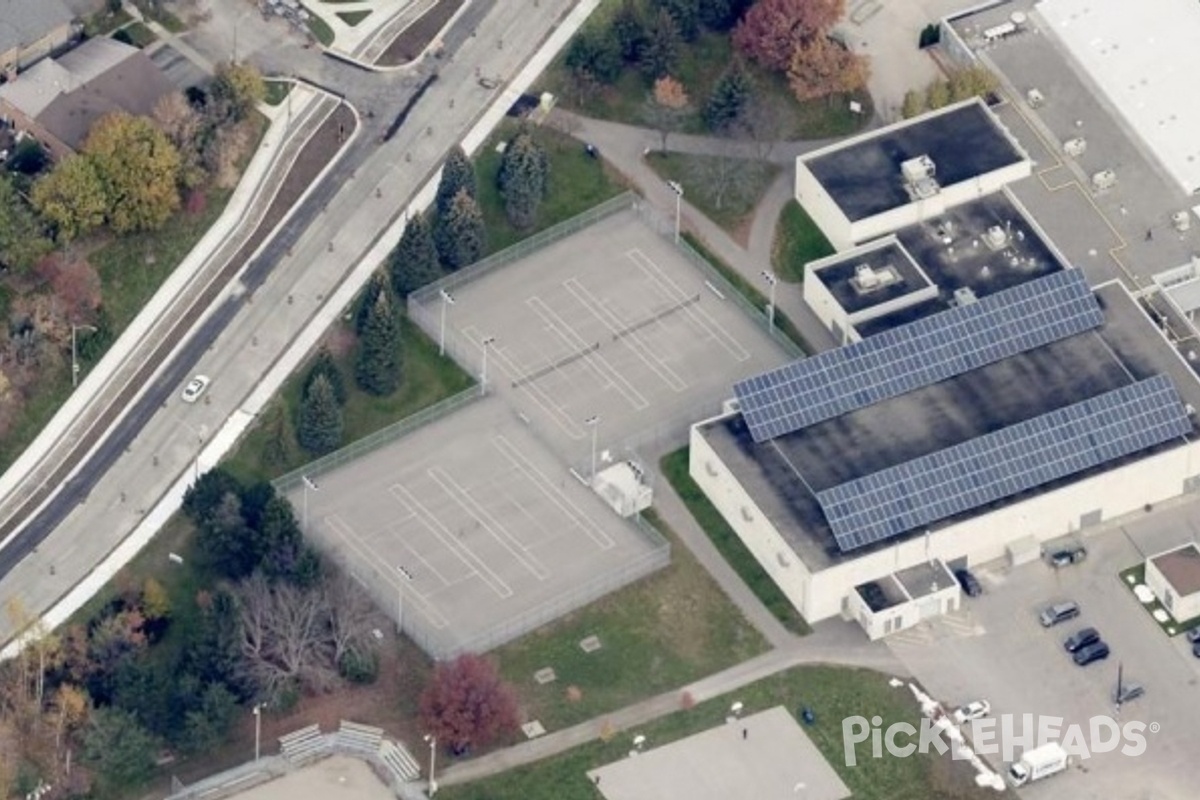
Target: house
31	30
58	100
1174	577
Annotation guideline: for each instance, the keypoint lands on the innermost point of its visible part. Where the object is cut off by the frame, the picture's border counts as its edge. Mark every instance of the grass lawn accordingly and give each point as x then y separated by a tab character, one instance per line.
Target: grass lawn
726	190
103	22
798	240
833	693
577	182
154	11
353	17
138	34
664	631
675	469
700	65
428	378
277	92
747	290
320	29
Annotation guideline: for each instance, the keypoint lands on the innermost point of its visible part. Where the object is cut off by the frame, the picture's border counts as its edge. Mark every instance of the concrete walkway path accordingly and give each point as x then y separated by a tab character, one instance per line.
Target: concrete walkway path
624	147
834	643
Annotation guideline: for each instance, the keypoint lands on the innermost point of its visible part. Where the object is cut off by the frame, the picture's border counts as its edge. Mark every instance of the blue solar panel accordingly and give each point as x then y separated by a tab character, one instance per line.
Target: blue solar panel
921	353
999	464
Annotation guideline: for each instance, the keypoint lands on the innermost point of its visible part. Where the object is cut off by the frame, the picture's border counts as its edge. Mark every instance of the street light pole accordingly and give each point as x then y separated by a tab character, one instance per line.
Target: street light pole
678	190
487	343
447	300
308	484
74	360
257	729
408	576
771	280
593	422
433	787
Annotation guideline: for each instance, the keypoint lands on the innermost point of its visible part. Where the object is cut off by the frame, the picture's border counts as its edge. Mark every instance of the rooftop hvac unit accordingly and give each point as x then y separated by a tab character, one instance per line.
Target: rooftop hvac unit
1075	147
867	279
1104	179
996	237
964	296
918	169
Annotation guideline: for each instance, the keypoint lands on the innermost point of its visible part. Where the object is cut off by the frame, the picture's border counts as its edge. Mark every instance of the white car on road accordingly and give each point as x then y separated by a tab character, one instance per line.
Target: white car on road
975	709
195	388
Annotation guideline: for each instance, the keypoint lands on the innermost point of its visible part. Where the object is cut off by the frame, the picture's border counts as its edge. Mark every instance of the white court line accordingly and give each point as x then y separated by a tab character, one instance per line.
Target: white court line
537	394
458	548
568	333
546	536
631	340
372	559
493	526
578	517
709	325
393	529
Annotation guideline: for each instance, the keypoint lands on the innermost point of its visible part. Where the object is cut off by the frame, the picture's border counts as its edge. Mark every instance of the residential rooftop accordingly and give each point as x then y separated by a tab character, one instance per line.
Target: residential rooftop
23	22
864	177
782	475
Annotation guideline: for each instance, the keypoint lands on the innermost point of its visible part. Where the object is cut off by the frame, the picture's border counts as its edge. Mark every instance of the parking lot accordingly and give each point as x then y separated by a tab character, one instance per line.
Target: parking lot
996	649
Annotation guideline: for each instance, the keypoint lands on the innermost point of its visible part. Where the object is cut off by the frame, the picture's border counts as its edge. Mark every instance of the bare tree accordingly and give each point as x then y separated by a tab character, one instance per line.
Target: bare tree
350	613
763	123
724	177
285	636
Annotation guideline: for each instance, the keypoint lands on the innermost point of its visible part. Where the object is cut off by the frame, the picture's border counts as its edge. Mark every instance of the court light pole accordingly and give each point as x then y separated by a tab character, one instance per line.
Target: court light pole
407	576
771	280
678	190
433	787
593	422
74	360
447	300
308	484
487	343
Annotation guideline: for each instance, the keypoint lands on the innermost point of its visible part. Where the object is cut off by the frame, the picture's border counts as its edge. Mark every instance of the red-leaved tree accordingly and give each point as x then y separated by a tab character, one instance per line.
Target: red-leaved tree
772	30
468	704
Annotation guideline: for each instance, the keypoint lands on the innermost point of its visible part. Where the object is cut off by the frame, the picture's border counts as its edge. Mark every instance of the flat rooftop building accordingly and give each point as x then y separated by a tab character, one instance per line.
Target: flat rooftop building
903	173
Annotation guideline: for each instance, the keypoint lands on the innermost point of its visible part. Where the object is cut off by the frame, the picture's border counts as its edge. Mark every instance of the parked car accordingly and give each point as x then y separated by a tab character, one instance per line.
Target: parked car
1059	612
1127	692
195	388
1081	639
1066	556
969	583
1193	635
1096	651
975	709
1196	649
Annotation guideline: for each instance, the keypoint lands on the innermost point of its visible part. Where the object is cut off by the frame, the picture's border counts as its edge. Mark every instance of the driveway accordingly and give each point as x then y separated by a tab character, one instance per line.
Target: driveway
996	649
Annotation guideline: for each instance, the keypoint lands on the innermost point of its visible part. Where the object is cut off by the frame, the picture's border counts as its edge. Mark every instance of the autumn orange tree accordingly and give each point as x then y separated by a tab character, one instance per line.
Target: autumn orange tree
821	67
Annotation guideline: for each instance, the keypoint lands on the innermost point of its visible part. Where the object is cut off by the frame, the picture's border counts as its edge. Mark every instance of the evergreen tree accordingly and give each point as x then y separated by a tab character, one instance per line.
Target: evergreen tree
686	14
366	301
378	368
320	426
729	97
279	534
660	53
119	748
324	364
414	262
461	235
277	450
523	177
629	31
595	52
722	15
458	174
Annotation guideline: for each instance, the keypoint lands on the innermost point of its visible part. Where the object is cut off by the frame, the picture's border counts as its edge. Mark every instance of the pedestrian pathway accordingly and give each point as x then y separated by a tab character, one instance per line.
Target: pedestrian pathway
625	146
833	643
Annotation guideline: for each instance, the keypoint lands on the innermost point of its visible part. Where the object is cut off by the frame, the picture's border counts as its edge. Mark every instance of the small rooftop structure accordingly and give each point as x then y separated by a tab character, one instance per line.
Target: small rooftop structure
1174	577
58	100
623	487
906	172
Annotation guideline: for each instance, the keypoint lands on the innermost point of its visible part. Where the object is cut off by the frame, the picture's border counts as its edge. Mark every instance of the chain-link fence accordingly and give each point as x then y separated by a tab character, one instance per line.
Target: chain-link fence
376	440
446	642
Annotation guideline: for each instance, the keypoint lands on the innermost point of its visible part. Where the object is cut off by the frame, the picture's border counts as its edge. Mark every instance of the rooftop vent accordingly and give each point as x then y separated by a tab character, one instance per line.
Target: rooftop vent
920	177
964	296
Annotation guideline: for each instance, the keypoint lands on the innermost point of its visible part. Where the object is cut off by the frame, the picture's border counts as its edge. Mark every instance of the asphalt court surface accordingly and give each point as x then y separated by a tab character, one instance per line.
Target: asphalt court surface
765	755
610	322
489	525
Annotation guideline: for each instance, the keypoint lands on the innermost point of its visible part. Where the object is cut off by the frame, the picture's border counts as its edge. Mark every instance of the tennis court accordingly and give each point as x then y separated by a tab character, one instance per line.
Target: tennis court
611	323
471	532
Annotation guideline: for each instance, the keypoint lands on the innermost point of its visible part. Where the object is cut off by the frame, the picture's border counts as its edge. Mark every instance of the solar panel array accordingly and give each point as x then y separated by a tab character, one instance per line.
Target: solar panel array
999	464
918	354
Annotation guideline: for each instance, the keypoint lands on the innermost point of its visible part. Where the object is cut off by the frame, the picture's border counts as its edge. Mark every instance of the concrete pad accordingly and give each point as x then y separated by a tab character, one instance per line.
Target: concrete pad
766	755
471	531
336	778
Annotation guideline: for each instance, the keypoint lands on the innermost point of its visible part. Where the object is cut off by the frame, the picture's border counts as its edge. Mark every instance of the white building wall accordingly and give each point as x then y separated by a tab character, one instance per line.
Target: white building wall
820	595
821	208
822	302
1181	608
